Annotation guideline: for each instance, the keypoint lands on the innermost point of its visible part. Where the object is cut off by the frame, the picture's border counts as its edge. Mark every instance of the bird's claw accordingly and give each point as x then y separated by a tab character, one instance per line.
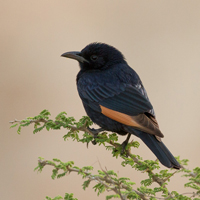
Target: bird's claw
123	146
95	133
94	142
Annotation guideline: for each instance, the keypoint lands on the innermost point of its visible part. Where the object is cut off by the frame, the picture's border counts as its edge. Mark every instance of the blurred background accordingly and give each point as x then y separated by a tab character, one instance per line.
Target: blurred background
160	40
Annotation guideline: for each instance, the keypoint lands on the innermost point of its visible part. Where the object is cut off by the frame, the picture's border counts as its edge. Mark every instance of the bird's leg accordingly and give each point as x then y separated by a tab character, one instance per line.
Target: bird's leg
125	143
95	133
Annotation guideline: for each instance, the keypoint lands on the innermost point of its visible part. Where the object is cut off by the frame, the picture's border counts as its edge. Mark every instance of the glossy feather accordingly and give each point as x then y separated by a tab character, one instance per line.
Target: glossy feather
114	98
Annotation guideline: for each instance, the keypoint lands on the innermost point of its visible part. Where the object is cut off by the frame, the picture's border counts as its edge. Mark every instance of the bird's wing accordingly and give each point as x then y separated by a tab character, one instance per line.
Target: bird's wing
125	104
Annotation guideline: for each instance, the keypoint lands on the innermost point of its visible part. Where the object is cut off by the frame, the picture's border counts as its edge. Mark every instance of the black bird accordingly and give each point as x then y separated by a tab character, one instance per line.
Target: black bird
114	98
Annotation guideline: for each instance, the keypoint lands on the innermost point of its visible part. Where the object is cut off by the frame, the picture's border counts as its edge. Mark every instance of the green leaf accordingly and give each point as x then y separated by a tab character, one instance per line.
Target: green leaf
86	184
112	196
146	182
19	129
55	198
48	198
60	114
14	125
100	188
38	129
61	175
112	173
54	173
122	179
69	197
45	113
146	190
56	160
87	168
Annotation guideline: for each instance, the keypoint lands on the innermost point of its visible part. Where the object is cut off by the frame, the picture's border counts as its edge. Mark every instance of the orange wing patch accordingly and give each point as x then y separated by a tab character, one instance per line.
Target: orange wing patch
141	121
119	117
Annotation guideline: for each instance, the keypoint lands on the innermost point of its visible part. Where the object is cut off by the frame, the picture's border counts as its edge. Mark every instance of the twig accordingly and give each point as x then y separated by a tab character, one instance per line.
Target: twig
128	152
106	180
30	120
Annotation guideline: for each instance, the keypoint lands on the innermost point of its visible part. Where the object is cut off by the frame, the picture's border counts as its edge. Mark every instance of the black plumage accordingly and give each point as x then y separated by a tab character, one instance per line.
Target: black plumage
114	97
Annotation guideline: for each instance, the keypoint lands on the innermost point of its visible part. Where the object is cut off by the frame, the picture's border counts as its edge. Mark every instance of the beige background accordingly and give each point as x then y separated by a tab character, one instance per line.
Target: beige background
160	40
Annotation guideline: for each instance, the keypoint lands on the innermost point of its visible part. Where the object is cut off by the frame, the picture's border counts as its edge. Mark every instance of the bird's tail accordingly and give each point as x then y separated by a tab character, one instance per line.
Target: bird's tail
159	149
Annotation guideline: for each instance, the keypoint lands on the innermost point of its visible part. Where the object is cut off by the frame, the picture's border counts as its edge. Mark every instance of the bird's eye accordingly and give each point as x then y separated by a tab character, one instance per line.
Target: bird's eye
93	57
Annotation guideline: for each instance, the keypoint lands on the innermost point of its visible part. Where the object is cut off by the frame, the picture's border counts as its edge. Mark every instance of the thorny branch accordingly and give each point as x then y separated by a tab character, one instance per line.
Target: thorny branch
73	128
107	179
108	182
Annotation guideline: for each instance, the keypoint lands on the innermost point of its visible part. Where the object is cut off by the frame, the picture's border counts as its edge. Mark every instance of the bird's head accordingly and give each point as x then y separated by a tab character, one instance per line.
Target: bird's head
96	56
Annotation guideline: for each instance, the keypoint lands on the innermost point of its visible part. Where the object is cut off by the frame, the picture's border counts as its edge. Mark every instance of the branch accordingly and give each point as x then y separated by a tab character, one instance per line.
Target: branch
106	180
84	128
42	121
30	120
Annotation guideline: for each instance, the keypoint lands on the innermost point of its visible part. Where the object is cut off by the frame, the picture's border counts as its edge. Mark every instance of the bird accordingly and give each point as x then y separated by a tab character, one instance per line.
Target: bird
115	99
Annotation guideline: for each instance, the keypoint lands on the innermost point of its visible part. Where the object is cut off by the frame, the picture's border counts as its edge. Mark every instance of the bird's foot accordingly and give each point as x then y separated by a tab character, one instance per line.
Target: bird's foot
122	149
95	133
123	146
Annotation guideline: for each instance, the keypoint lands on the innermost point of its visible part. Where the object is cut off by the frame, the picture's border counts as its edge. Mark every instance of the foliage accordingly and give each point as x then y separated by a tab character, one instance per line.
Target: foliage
122	187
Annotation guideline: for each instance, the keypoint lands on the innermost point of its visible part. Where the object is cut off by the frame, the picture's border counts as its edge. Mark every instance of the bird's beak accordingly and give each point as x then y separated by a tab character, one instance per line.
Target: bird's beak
75	55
